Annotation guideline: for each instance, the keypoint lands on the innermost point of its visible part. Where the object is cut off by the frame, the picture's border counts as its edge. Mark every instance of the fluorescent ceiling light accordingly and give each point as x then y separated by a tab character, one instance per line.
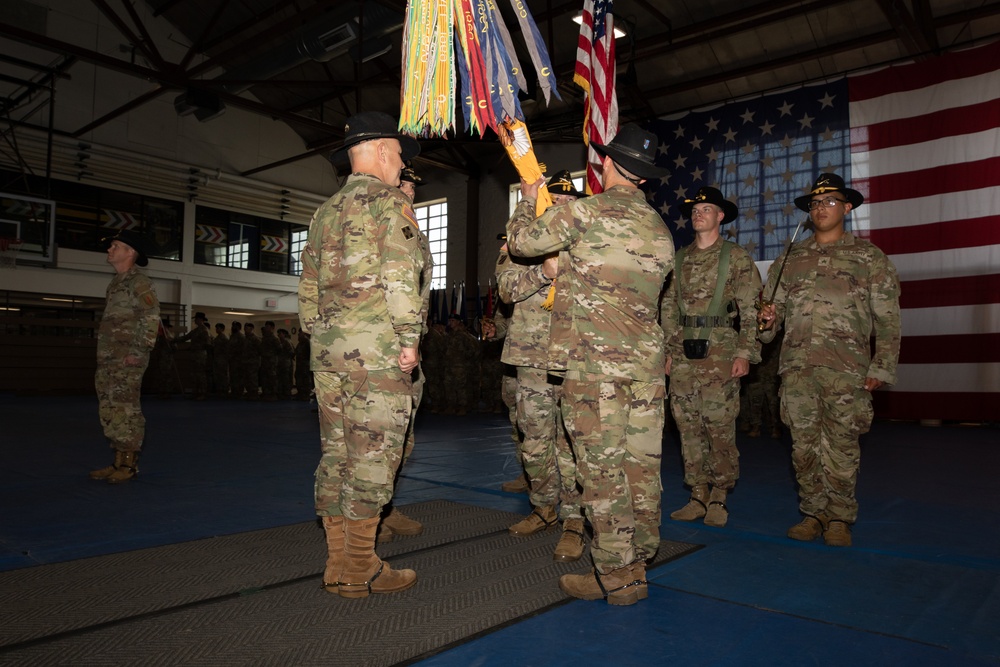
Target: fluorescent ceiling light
578	19
235	312
11	309
52	298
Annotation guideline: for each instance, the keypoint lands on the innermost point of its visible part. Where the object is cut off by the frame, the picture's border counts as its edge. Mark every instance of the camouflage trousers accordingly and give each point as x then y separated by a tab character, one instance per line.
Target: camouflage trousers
545	450
617	432
199	362
303	380
284	379
705	401
236	382
418	382
763	408
508	392
220	377
826	411
268	377
363	416
118	388
251	378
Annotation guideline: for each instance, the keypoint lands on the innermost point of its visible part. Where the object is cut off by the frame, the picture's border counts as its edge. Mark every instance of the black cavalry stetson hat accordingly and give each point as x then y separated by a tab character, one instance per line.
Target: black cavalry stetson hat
825	184
410	176
133	240
710	195
369	125
561	183
634	149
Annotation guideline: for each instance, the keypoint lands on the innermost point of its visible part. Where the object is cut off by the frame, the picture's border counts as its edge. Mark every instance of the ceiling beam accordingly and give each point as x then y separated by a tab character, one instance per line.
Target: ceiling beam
147	38
915	41
199	46
134	103
166	79
777	63
148	50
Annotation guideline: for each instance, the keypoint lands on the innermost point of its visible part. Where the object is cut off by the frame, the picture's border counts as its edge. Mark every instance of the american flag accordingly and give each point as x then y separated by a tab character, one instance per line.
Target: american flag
925	139
595	73
920	142
761	153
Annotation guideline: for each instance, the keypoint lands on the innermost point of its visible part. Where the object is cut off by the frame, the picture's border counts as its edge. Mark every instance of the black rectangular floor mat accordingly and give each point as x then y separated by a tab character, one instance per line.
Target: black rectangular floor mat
255	598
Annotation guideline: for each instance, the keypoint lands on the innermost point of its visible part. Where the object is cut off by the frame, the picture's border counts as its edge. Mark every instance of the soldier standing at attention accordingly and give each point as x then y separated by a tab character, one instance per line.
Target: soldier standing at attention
359	297
286	354
303	374
710	316
251	362
547	456
220	361
836	292
269	349
235	354
125	338
606	336
395	522
199	341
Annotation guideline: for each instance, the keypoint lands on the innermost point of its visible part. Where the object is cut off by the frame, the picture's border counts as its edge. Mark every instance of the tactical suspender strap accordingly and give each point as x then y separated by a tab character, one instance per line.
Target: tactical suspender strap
713	318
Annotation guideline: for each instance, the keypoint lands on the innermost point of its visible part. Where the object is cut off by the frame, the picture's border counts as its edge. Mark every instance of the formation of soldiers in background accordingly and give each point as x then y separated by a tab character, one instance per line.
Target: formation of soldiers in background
463	372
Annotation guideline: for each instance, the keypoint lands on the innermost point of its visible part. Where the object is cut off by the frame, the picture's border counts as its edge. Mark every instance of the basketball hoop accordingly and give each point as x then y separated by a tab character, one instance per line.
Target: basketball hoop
8	252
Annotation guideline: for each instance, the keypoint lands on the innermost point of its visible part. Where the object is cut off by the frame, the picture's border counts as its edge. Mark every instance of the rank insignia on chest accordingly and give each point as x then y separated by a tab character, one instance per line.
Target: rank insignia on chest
407	232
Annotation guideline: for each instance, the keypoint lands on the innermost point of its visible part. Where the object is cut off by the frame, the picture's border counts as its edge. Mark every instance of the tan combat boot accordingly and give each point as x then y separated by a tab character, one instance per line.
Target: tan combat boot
717	513
364	572
696	505
541	518
400	524
808	529
104	473
837	533
333	526
126	470
618	587
639	575
570	547
519	485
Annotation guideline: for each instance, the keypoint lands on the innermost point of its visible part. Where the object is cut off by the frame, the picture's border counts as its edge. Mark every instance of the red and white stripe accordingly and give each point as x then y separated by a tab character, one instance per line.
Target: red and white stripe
926	154
595	73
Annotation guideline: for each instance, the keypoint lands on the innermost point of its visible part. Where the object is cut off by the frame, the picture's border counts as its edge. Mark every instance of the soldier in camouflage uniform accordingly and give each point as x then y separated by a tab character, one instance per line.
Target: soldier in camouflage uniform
835	293
270	346
495	329
251	363
394	522
303	374
548	458
198	341
284	365
125	338
605	335
708	351
220	361
461	367
433	364
762	392
234	354
162	359
359	296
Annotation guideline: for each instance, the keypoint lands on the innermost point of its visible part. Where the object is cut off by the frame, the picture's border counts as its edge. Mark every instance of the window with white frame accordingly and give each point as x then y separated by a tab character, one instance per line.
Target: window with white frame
432	218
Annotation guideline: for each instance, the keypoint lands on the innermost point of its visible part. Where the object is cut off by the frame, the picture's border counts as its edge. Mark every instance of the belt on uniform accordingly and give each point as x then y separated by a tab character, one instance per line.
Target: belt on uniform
701	321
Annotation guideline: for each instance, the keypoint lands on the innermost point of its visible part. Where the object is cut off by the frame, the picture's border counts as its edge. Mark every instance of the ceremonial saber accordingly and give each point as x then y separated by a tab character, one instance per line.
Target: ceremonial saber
781	269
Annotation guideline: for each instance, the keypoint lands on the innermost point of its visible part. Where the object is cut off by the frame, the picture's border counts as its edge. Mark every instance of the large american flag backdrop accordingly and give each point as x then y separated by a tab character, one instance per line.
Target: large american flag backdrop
922	142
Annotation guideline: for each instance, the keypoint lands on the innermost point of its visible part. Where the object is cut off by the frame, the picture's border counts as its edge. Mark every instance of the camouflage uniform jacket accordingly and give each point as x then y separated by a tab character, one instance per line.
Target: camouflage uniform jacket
251	349
235	347
521	283
426	276
198	338
605	320
269	345
699	275
219	345
832	298
359	294
131	317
